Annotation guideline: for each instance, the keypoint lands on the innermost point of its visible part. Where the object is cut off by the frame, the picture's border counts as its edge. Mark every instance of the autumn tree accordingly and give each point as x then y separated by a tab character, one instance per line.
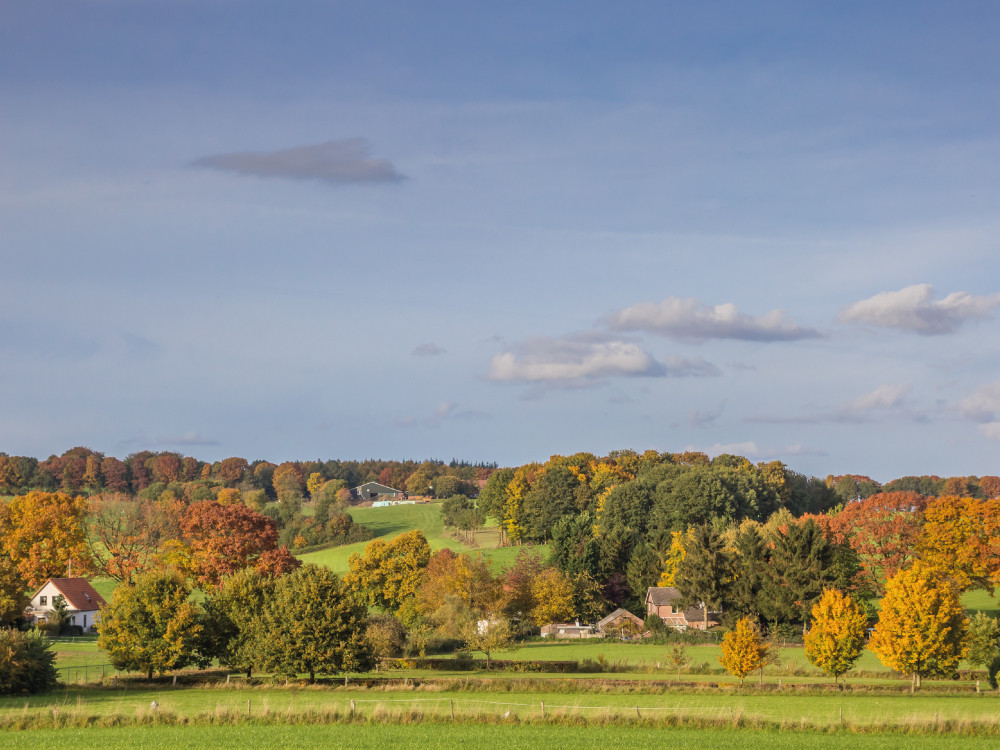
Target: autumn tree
121	538
13	591
449	574
314	624
150	625
41	532
836	637
288	482
743	649
490	636
955	542
921	627
388	572
218	540
231	470
552	592
883	530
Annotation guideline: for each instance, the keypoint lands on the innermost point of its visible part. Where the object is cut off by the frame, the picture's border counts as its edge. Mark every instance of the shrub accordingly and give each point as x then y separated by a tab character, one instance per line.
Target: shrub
26	663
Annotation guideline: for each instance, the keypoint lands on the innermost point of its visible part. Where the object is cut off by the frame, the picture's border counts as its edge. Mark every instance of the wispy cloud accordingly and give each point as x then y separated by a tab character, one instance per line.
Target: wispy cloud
886	401
913	309
187	439
429	349
697	418
447	411
750	449
691	320
983	406
588	357
346	161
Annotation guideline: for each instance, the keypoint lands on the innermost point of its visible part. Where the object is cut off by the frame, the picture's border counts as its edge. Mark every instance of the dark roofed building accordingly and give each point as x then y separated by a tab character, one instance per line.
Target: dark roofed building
373	491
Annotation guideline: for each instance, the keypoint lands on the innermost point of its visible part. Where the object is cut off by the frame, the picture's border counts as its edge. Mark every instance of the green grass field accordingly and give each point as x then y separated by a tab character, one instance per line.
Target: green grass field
441	735
398	519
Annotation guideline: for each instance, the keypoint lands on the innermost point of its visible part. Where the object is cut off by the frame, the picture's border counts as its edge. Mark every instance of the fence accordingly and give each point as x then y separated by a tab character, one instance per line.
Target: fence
81	674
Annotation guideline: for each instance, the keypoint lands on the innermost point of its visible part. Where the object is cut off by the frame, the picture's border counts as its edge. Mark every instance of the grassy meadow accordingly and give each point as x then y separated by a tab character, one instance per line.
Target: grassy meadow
397	519
363	736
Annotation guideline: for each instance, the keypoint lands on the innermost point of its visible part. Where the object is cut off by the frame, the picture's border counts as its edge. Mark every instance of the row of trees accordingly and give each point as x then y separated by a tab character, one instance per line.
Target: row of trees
84	471
921	631
303	621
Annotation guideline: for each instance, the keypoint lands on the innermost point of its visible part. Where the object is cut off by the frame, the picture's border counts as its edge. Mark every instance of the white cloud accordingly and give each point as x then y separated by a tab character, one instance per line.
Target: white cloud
588	357
690	319
990	430
983	404
883	397
345	161
750	450
912	309
886	401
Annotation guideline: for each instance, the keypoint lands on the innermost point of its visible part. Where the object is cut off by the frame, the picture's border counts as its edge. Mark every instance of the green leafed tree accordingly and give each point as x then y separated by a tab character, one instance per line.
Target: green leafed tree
314	625
150	626
705	573
27	663
232	619
984	645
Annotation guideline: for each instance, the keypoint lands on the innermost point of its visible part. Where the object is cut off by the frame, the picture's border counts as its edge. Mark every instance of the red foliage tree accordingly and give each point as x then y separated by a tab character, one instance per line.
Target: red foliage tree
882	529
231	470
222	539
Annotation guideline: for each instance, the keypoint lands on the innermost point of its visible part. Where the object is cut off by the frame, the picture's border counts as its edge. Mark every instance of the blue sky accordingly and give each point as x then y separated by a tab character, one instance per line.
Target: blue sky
502	231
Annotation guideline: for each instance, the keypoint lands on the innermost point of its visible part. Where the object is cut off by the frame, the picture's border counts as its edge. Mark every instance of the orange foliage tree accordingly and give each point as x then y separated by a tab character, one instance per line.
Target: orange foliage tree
218	540
955	541
41	532
882	529
743	649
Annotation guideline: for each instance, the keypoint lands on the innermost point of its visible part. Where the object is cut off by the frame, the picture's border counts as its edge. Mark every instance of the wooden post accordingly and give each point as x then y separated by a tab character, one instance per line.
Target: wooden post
637	714
543	709
841	714
977	686
248	706
731	717
452	702
352	706
227	678
116	680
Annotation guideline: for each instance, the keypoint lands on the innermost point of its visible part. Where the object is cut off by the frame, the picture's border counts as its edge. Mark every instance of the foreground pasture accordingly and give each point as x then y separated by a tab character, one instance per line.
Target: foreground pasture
379	736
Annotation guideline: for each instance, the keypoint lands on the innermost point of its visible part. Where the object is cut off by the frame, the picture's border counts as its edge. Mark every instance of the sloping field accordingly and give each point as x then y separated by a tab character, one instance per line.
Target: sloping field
397	519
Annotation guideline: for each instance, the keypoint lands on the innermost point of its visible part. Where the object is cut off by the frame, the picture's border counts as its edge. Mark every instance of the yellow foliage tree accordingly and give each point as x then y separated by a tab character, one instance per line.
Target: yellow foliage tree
837	636
921	628
673	557
743	649
552	592
314	483
954	541
41	532
389	572
229	496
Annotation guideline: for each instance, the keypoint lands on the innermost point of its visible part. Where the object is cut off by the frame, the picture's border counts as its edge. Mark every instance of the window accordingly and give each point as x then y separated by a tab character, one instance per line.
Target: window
43	601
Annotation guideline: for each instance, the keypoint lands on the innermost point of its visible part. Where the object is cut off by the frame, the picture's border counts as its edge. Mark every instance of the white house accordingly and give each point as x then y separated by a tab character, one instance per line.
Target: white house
83	602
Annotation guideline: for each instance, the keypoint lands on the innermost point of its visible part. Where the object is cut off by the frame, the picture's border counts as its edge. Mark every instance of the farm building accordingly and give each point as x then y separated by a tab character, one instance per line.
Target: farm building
374	491
665	603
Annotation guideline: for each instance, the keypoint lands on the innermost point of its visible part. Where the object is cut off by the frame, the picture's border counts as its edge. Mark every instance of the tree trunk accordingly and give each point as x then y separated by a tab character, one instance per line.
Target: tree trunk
149	674
312	676
913	682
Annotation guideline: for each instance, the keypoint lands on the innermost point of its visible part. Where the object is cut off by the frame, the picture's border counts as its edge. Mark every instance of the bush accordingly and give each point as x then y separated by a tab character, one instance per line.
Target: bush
26	663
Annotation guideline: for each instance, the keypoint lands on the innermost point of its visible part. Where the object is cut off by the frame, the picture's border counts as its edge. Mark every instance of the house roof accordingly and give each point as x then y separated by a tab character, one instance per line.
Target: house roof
615	615
80	595
661	595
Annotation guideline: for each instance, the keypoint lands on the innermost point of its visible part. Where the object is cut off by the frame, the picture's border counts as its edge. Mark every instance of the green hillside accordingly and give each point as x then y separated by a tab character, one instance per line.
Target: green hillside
397	519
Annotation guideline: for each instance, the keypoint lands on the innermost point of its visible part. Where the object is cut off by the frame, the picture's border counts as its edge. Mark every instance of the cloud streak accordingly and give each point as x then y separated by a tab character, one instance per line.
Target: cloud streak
580	358
429	349
346	161
691	320
884	401
448	411
913	309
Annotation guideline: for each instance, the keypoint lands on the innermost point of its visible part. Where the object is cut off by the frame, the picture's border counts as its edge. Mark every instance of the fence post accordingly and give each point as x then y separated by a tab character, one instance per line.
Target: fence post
352	706
543	709
452	702
637	714
841	714
248	706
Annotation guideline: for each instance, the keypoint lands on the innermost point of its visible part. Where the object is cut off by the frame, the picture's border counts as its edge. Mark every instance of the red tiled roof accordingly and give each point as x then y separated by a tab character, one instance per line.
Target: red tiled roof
80	595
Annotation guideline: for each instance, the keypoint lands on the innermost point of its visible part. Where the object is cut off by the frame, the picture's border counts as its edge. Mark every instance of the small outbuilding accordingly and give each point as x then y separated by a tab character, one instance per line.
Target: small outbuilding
374	491
621	624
